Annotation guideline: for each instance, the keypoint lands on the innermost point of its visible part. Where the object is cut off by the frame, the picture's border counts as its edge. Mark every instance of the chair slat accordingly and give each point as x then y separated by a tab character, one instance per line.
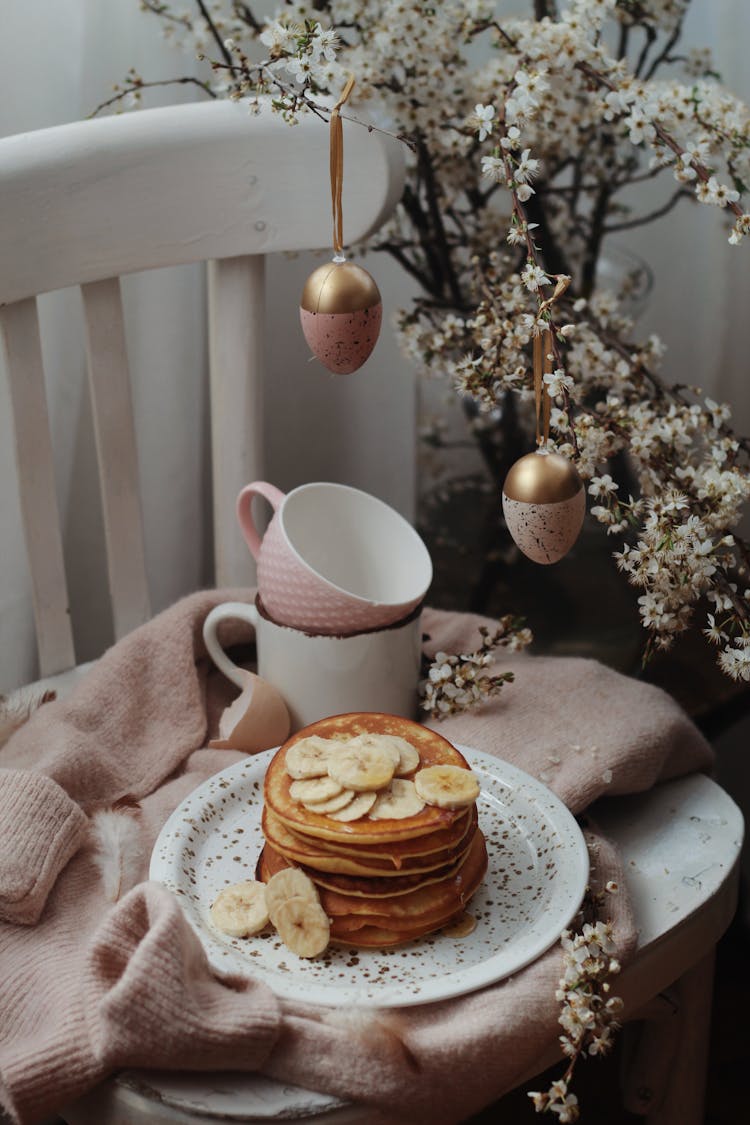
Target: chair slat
109	383
236	294
36	485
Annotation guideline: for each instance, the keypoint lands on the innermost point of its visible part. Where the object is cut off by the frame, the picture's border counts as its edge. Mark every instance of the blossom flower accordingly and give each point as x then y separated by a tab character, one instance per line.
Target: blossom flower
324	44
483	115
603	485
454	683
512	138
277	37
493	167
711	191
735	660
526	168
589	117
533	276
558	383
588	1013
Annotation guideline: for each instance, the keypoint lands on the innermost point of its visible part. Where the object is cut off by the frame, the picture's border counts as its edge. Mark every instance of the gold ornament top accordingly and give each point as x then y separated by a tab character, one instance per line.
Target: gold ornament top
339	287
542	478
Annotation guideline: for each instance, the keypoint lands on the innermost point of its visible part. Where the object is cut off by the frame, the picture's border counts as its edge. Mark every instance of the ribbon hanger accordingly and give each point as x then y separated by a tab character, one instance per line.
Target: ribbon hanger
542	367
337	168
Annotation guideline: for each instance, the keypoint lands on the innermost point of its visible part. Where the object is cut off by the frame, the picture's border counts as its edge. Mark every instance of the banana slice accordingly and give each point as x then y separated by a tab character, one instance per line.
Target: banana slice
448	787
286	884
333	804
408	756
303	926
399	800
362	764
309	757
382	741
405	756
241	909
315	789
361	804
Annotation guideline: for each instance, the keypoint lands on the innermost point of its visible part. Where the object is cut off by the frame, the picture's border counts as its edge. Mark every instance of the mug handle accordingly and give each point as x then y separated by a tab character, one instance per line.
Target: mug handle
225	612
245	510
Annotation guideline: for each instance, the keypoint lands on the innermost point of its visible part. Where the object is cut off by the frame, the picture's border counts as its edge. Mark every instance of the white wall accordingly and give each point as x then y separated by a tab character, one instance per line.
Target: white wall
699	305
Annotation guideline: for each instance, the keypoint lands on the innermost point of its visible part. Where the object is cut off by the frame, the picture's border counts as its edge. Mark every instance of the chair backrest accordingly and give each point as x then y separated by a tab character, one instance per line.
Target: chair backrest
88	202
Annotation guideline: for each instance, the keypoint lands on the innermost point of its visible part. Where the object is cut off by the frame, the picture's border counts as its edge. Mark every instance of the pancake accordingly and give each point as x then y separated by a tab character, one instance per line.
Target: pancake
437	899
350	928
397	852
433	750
380	937
308	852
369	885
380	880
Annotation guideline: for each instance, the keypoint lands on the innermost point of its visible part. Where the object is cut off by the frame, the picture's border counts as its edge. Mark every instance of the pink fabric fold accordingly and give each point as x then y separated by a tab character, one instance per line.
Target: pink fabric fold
92	986
151	996
42	828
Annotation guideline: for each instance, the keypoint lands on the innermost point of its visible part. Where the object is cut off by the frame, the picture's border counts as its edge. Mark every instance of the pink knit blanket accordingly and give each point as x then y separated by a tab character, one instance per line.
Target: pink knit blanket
89	985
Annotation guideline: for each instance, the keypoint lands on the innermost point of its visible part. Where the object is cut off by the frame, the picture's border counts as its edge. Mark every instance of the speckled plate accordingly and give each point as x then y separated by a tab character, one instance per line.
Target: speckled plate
538	868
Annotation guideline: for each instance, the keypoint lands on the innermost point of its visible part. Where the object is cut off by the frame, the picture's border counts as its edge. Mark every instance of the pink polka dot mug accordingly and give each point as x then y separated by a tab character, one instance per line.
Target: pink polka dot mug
333	559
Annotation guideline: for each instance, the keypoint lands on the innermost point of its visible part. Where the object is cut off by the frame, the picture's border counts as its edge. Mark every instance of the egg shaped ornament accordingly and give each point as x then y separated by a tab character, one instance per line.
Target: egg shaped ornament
544	503
341	312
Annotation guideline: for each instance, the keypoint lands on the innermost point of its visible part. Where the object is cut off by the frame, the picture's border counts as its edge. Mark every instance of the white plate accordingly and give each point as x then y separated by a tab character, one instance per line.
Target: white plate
538	868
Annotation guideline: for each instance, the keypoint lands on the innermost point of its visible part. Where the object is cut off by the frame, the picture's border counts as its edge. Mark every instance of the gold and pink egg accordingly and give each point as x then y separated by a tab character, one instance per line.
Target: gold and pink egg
341	313
544	503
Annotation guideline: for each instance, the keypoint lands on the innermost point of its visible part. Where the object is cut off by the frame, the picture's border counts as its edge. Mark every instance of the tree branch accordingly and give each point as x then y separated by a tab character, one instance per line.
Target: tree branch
163	13
226	54
397	252
650	40
664	54
135	87
681	193
666	138
435	213
247	17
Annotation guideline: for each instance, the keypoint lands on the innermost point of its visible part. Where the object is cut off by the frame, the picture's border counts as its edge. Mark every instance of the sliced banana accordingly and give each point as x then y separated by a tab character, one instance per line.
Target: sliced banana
286	884
384	741
309	757
361	805
362	764
399	800
303	926
333	804
405	756
448	787
408	756
314	789
241	909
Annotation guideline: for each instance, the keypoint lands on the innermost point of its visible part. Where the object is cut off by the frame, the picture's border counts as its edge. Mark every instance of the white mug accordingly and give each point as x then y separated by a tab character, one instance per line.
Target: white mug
320	675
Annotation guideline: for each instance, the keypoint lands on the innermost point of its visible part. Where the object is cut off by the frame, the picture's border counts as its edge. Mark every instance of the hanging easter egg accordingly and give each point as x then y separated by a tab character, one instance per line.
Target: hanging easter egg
544	503
341	312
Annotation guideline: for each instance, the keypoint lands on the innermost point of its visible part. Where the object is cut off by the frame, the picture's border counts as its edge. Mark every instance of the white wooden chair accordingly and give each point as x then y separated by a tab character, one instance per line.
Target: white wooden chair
87	202
73	213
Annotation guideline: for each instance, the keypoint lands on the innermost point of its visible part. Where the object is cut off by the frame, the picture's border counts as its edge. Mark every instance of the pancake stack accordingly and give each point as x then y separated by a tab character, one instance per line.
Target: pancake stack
380	813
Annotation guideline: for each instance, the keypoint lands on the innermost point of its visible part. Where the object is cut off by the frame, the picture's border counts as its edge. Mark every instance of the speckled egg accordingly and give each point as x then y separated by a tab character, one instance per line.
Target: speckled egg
544	503
341	313
257	719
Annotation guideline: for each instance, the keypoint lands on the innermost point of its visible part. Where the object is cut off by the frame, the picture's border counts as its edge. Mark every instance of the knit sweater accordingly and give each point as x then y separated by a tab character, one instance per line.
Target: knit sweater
89	986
